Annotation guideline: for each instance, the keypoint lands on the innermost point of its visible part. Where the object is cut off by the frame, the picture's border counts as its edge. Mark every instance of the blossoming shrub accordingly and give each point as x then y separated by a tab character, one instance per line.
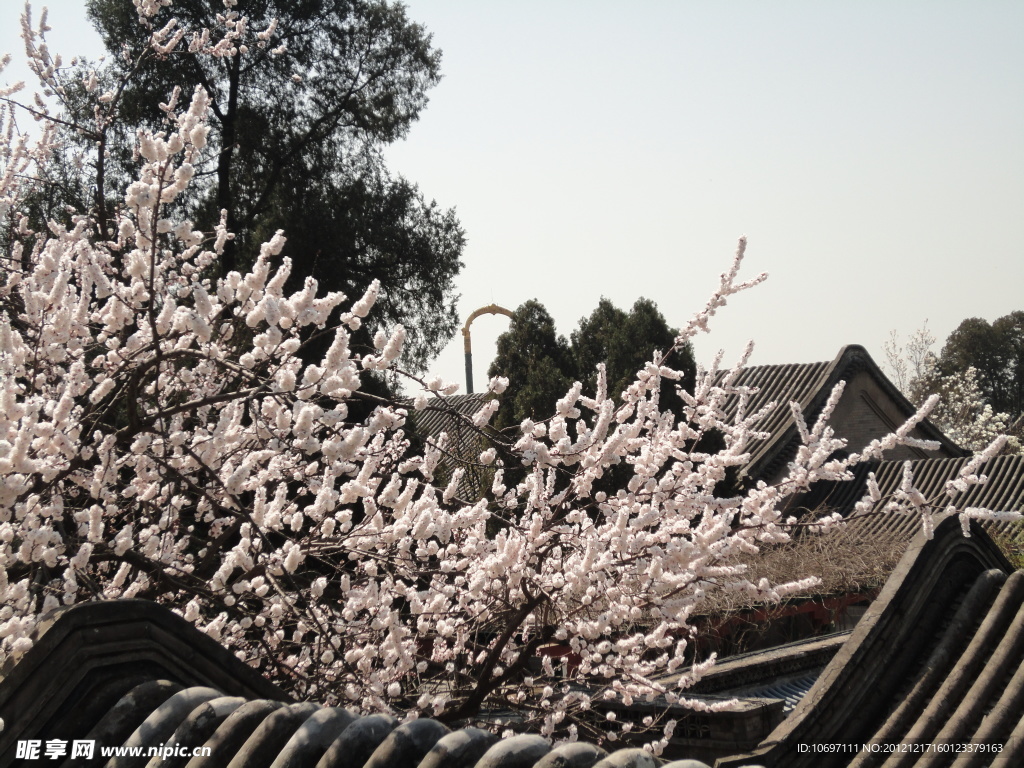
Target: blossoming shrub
160	438
962	413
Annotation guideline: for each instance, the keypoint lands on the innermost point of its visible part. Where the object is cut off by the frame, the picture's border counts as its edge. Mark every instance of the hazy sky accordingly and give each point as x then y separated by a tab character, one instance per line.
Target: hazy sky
872	152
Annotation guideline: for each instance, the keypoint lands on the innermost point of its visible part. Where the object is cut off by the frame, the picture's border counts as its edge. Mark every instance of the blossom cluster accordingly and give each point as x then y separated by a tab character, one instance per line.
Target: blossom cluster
162	436
961	413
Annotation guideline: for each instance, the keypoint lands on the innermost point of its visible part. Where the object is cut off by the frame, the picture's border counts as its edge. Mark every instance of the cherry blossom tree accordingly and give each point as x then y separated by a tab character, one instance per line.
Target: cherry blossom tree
161	438
962	411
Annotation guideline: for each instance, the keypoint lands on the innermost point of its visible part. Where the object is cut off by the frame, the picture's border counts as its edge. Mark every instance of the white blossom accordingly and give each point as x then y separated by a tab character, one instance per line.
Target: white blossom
161	438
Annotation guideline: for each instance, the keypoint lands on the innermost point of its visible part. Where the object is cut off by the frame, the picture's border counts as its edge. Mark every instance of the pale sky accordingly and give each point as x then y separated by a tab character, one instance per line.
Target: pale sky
872	152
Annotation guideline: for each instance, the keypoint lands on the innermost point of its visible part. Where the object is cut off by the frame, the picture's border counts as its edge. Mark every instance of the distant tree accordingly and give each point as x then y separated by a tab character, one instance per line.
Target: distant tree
996	351
540	365
299	115
964	412
537	363
625	341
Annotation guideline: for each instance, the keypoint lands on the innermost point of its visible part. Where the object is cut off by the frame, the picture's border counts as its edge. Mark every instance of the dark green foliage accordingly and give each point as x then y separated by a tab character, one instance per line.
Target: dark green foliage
537	363
996	351
296	145
541	366
626	342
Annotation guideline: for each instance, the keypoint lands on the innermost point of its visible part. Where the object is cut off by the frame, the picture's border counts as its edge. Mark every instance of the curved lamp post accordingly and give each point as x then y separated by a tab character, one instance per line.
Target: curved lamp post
490	309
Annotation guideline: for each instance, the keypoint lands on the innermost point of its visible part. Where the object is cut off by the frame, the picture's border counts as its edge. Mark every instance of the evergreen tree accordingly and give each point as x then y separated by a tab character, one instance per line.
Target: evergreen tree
625	342
996	351
537	363
540	365
964	412
299	119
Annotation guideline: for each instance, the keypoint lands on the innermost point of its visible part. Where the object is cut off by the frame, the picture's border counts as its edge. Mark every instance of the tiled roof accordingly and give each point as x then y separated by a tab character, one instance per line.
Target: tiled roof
790	691
445	415
781	384
437	416
132	674
1003	492
810	385
936	662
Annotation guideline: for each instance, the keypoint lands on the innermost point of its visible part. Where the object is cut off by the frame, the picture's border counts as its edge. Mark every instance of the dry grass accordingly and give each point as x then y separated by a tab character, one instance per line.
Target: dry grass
1011	543
847	560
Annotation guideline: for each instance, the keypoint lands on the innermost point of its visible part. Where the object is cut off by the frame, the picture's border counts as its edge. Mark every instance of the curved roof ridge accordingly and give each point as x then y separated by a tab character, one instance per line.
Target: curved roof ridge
856	357
810	385
871	674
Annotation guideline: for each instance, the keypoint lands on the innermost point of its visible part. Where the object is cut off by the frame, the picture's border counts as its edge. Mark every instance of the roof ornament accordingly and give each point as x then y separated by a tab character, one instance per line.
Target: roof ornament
490	309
